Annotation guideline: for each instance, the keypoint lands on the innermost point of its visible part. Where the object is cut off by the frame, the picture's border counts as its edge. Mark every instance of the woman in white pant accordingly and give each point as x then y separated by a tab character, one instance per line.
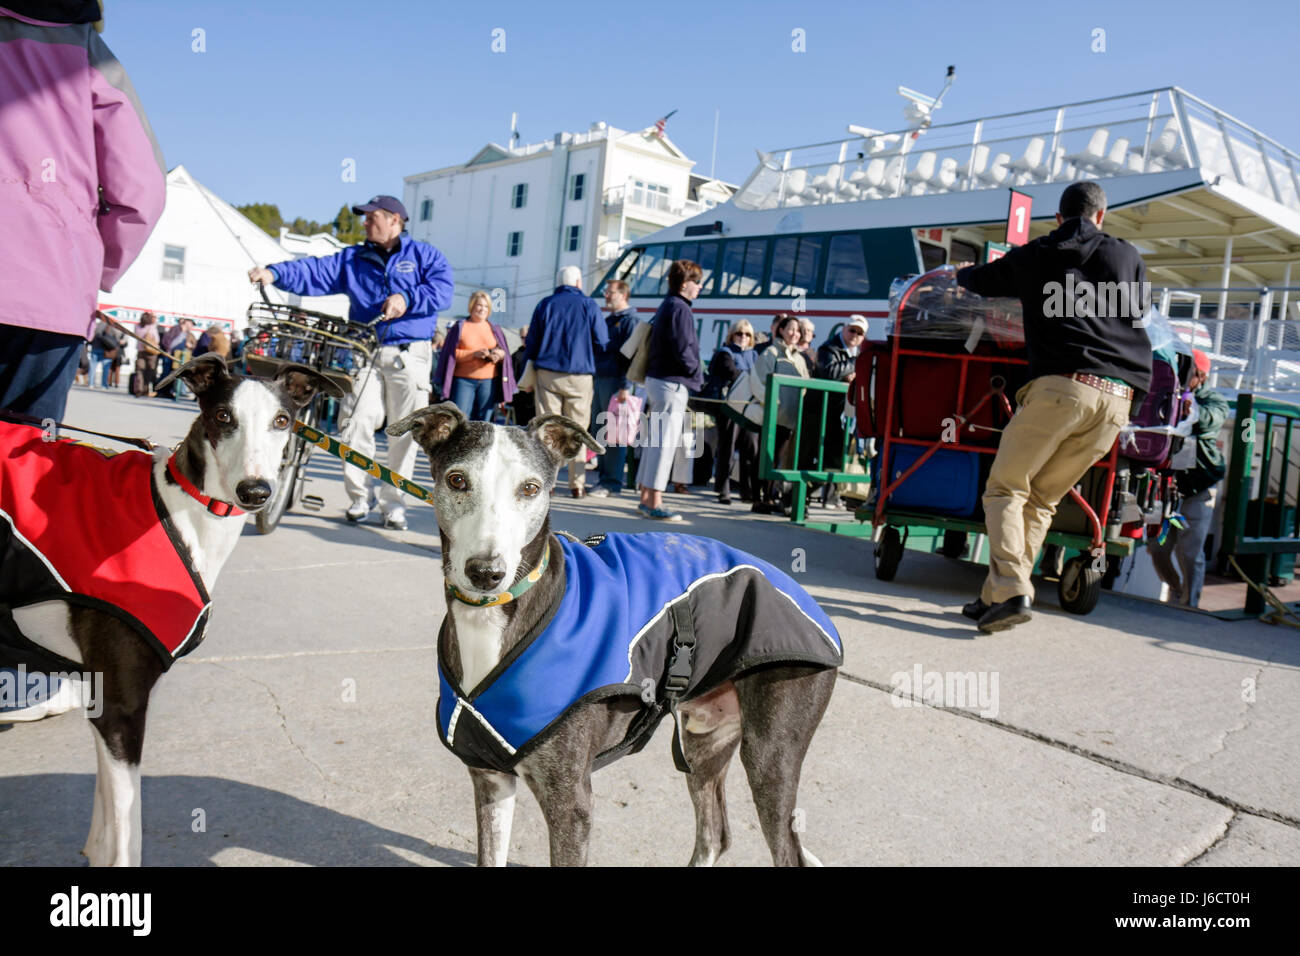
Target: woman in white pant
672	370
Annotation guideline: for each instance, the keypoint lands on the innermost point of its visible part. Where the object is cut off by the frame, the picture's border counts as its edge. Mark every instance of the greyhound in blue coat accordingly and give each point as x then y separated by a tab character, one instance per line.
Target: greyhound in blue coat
557	656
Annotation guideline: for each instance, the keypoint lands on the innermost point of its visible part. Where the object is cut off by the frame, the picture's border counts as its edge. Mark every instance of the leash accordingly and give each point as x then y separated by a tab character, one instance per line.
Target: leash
47	423
350	456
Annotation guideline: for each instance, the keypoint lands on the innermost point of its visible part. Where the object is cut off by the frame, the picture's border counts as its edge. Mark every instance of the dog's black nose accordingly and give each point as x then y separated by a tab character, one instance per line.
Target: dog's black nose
253	492
485	573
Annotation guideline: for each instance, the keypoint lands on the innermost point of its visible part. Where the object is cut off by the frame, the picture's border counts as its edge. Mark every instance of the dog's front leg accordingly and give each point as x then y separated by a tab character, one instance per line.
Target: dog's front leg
115	828
564	795
494	805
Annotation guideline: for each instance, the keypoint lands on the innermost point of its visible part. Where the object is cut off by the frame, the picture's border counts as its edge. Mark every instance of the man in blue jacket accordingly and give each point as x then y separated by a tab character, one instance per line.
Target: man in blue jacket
559	344
398	285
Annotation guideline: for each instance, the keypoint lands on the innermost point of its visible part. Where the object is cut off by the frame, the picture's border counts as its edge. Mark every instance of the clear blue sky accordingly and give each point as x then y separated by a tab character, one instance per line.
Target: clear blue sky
287	90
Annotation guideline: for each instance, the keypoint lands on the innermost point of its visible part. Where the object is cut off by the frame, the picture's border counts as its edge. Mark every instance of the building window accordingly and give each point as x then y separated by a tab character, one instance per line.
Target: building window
174	263
576	185
426	210
649	195
572	238
519	196
514	244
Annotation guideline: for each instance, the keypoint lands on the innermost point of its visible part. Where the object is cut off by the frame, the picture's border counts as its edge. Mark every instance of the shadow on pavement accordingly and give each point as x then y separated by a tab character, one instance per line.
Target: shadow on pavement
46	817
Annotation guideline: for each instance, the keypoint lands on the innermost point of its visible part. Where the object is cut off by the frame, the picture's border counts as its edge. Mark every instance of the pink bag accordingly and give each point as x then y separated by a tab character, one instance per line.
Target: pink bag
622	421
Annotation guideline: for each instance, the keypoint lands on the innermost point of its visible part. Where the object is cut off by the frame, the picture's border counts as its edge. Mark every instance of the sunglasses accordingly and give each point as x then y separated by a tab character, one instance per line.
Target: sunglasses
742	335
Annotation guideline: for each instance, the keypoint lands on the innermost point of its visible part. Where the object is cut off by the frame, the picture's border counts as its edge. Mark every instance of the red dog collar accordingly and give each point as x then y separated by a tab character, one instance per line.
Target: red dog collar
215	505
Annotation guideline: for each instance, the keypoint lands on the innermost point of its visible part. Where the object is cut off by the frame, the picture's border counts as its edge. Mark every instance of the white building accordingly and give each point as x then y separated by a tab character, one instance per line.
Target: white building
195	263
510	218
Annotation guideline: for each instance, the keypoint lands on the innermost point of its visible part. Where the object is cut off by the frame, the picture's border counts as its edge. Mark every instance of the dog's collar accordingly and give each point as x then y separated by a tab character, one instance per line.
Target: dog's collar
216	506
505	597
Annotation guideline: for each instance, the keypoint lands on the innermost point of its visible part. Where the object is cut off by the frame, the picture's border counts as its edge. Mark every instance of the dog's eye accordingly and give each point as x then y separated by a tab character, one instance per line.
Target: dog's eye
282	421
224	416
530	489
456	482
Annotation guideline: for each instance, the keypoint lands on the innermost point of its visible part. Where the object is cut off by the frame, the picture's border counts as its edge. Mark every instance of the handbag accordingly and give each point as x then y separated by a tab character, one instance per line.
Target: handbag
637	350
744	401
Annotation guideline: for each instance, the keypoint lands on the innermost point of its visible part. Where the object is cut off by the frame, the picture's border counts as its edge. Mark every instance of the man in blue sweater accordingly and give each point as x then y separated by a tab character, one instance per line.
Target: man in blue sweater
398	285
560	345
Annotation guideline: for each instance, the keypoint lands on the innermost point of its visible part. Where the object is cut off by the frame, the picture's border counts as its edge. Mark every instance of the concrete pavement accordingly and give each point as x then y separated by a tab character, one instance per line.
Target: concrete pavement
302	730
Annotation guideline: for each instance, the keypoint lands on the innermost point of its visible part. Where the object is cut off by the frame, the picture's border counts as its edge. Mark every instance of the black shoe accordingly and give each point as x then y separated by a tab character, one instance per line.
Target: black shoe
976	609
761	508
724	499
1006	614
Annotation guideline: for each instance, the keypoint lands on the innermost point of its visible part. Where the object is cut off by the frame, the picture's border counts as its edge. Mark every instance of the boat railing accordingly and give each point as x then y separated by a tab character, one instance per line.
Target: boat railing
1250	333
1148	132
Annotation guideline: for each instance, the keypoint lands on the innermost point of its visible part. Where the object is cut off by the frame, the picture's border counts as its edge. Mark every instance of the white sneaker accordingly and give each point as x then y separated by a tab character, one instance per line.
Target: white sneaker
395	520
357	511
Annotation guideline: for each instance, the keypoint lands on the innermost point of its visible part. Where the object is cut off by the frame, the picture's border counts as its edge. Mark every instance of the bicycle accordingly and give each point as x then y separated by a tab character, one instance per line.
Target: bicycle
340	350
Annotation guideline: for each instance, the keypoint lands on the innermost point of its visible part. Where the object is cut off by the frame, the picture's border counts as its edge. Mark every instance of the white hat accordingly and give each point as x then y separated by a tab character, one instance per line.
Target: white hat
858	322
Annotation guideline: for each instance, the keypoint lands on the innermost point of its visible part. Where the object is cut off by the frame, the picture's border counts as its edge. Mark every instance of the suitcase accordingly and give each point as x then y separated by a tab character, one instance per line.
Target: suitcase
947	484
1160	407
927	404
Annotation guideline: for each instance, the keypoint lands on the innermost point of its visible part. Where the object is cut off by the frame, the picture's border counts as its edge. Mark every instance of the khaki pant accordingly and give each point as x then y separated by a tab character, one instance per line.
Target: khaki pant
1061	429
396	386
559	393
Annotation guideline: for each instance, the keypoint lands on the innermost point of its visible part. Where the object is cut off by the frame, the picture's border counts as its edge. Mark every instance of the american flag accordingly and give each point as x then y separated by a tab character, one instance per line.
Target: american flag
661	123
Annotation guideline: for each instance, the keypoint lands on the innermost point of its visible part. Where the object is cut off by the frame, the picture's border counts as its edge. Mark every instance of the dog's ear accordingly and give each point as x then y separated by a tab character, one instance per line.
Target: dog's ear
200	374
302	383
432	425
562	437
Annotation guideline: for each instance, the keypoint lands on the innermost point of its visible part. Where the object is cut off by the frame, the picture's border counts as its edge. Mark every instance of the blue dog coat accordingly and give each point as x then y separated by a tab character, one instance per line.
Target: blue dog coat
612	633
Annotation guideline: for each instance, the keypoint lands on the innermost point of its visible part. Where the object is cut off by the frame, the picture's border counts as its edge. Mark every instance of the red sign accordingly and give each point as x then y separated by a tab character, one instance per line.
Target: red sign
1018	219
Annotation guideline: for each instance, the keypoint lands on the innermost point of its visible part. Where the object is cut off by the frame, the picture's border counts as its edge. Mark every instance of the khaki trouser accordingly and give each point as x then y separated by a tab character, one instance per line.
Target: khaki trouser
1061	429
559	393
396	386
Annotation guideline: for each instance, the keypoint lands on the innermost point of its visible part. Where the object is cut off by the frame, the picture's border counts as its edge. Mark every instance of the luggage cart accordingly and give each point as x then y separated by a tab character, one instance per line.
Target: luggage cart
900	458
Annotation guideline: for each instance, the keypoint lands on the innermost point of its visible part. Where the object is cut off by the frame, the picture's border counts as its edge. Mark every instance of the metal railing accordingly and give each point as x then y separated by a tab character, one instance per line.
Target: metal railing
1261	520
769	469
1251	334
1151	131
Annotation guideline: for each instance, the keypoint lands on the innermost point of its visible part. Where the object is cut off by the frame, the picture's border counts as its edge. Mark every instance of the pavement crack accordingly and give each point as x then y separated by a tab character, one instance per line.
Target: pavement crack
284	727
1216	841
1222	741
1122	766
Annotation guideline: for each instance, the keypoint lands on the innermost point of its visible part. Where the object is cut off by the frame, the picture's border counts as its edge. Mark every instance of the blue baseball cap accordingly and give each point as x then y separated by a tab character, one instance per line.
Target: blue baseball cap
387	203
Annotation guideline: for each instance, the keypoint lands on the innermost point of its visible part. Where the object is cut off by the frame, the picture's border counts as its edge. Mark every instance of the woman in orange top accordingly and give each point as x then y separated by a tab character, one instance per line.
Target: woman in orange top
471	362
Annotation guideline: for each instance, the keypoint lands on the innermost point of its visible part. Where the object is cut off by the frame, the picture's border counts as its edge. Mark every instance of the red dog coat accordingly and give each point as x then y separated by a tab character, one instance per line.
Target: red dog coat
88	527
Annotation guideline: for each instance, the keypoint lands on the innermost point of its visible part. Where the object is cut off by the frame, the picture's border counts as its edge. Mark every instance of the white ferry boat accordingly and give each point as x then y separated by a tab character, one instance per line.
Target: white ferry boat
1212	204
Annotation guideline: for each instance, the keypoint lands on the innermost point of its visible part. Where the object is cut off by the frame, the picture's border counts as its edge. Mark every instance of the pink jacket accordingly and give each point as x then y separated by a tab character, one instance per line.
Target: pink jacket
82	181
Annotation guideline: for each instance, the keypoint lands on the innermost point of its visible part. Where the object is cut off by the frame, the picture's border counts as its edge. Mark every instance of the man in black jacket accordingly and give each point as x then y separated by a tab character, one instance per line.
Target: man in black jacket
1084	295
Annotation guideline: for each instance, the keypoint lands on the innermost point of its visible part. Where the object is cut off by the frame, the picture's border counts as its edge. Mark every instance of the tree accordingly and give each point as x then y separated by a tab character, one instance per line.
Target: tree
264	215
348	226
307	227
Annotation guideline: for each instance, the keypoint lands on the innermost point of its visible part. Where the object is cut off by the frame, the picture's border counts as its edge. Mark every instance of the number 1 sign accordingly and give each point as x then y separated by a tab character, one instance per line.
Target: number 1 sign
1018	218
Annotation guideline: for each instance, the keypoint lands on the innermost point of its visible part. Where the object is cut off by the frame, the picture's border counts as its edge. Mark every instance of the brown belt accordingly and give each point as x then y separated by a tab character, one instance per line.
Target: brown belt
1104	384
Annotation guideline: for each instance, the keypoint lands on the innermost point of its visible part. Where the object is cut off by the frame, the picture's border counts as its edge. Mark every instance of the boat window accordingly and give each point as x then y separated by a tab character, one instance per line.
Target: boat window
932	256
708	261
752	280
733	258
688	250
794	265
784	252
620	270
651	272
959	251
846	267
